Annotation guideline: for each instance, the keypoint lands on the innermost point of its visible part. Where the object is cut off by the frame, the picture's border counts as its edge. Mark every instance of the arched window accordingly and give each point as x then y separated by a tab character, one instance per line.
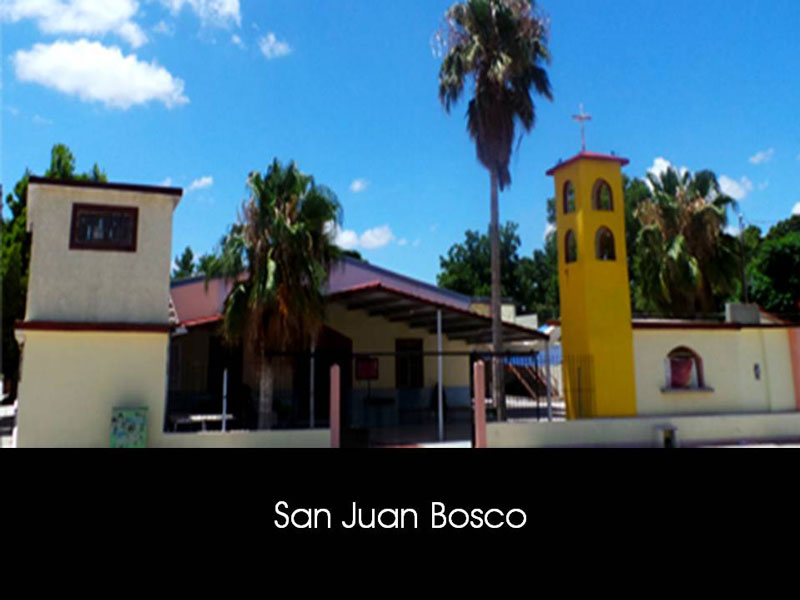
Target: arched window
684	370
570	247
602	199
604	244
569	198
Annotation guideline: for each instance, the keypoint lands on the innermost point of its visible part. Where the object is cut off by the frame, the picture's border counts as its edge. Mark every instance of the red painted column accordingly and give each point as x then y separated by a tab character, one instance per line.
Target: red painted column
794	351
479	379
335	412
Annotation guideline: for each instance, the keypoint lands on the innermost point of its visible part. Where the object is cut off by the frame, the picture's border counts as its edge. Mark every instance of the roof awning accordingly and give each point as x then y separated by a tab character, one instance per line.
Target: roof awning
417	312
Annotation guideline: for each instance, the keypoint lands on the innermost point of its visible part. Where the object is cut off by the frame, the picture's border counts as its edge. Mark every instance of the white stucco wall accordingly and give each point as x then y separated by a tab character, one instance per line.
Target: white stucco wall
71	381
729	357
692	430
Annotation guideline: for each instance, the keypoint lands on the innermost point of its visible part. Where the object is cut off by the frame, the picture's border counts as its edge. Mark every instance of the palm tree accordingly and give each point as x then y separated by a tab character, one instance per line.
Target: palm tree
278	256
498	46
685	261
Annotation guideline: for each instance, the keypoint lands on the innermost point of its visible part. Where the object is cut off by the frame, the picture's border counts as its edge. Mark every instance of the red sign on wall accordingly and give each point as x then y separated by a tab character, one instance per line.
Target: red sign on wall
366	369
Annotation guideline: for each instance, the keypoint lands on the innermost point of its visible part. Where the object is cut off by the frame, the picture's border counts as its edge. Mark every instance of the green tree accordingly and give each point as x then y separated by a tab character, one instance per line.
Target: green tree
206	265
278	256
15	244
775	276
184	265
635	192
684	262
498	47
530	282
782	228
467	267
539	280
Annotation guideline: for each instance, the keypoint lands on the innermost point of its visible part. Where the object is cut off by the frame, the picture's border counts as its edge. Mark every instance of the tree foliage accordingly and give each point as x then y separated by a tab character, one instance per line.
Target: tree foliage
684	262
184	265
278	256
531	283
16	248
773	268
686	214
499	49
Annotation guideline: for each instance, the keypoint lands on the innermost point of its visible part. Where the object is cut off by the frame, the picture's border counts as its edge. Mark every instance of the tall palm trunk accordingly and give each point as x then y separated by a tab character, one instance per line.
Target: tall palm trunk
266	379
498	379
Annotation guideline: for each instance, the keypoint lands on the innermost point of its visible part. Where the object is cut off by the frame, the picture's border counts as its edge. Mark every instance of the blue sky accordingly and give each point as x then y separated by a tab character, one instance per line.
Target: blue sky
198	93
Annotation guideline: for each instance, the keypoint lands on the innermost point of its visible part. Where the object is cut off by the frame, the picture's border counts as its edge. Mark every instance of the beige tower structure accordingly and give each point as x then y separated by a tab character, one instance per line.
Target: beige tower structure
96	330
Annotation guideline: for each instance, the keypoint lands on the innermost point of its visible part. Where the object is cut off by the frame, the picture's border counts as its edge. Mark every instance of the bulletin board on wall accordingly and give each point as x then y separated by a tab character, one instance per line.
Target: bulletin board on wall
129	428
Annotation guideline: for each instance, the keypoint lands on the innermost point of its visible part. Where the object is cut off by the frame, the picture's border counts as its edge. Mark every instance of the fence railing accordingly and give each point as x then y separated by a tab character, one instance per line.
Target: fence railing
408	396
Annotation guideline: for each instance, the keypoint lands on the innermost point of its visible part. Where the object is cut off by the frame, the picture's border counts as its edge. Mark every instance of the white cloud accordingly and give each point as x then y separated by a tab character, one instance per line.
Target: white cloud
271	47
78	17
40	120
732	230
167	182
133	34
735	189
549	230
660	166
763	156
371	239
163	28
221	13
359	185
237	40
203	182
96	73
402	242
376	237
796	210
346	238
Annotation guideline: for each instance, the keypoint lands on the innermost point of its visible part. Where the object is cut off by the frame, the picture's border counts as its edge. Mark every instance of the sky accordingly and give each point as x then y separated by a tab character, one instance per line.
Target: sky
199	93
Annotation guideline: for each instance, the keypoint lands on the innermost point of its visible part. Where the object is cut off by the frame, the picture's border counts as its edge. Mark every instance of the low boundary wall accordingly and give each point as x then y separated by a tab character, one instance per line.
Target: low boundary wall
647	431
276	438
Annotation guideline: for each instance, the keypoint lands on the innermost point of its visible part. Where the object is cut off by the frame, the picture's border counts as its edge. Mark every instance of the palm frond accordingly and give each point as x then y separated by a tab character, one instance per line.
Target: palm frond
280	252
499	46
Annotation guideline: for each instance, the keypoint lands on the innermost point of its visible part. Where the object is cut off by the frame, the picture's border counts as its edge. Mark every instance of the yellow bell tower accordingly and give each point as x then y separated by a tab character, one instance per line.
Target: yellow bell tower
596	332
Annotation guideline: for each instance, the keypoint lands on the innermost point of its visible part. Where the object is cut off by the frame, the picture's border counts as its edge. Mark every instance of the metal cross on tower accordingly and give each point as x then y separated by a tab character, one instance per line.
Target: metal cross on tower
582	117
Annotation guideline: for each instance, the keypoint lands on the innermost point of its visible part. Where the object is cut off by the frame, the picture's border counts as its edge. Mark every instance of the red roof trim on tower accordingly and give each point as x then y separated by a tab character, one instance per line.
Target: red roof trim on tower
94	327
202	321
589	156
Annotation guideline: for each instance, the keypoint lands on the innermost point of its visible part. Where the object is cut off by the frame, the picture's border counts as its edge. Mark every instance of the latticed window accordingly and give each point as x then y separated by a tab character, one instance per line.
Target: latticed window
99	227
